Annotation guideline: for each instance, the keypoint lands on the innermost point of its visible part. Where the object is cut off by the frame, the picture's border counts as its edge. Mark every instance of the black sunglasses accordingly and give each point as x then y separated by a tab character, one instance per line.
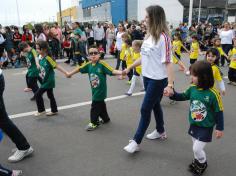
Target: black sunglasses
93	53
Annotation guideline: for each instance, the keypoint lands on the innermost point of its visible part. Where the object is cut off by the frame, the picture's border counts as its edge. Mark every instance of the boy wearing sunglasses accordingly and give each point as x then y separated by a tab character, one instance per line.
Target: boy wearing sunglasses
97	71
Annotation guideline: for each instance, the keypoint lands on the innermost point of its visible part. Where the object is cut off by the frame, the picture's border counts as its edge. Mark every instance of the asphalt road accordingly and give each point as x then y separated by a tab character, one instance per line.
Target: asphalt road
64	148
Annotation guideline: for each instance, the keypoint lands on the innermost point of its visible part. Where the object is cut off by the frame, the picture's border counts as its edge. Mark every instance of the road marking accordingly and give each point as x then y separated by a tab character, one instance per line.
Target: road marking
14	116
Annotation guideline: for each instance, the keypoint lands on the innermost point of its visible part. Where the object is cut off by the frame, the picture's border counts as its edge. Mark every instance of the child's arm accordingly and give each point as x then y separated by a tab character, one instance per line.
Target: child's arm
61	69
221	85
117	72
179	96
135	64
69	74
219	117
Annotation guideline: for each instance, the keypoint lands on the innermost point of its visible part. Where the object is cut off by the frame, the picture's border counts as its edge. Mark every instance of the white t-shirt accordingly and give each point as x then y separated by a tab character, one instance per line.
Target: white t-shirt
155	56
0	71
119	40
226	36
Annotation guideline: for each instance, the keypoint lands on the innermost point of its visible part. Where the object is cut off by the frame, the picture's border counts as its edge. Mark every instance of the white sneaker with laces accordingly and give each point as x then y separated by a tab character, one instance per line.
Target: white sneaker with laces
17	172
156	135
132	147
20	154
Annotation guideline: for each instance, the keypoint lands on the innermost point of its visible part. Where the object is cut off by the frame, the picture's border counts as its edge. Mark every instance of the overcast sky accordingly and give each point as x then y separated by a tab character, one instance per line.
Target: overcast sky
30	10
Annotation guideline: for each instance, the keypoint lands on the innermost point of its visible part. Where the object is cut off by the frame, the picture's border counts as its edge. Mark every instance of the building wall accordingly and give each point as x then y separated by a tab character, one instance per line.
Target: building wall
101	13
132	7
89	3
173	9
118	10
68	15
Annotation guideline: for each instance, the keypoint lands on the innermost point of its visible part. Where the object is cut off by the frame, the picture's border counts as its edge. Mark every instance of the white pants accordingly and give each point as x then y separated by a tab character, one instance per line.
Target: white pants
198	150
133	81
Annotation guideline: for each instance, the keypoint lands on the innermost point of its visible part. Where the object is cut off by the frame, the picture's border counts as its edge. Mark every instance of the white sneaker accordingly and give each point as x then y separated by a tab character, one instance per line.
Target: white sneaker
39	113
132	147
51	113
156	135
20	154
17	172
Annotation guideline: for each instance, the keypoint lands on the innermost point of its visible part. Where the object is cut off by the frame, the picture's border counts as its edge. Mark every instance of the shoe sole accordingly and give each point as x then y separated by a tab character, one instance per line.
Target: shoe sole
160	138
131	152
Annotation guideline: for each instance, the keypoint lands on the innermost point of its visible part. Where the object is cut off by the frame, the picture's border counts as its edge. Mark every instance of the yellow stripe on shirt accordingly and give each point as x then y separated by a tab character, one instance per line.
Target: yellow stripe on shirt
51	61
34	53
106	65
218	97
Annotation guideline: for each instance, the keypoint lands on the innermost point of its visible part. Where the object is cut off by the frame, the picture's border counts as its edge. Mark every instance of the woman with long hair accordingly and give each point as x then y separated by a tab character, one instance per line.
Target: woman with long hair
157	75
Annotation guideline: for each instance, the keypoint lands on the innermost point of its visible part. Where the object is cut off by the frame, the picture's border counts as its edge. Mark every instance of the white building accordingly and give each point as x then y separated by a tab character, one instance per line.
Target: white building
173	9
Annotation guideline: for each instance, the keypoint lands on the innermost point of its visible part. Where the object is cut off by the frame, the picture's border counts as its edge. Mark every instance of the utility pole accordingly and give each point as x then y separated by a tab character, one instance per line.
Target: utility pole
226	11
190	13
199	11
60	13
18	14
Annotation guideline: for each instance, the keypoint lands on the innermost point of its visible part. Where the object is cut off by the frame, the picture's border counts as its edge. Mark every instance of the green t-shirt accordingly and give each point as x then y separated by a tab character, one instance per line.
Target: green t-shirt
47	65
78	31
31	64
203	105
97	76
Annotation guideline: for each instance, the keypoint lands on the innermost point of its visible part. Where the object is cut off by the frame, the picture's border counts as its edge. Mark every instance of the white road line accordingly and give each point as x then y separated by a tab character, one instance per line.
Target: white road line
14	116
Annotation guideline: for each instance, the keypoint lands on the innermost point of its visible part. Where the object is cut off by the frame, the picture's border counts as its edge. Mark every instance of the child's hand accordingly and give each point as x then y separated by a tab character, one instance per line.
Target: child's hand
219	134
223	92
68	75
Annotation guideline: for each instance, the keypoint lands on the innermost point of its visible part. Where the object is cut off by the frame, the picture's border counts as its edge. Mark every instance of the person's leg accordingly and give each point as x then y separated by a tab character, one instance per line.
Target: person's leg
130	74
8	126
104	115
123	65
95	112
158	113
198	150
118	60
131	89
39	100
33	84
53	103
150	99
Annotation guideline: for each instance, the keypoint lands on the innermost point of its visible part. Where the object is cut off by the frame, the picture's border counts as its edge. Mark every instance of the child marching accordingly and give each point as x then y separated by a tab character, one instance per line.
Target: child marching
206	111
97	71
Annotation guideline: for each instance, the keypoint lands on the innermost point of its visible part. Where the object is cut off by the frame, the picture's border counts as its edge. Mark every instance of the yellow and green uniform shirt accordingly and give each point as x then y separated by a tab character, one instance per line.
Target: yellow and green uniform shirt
97	76
233	61
177	45
122	52
31	64
194	50
216	73
47	65
203	105
129	56
136	56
